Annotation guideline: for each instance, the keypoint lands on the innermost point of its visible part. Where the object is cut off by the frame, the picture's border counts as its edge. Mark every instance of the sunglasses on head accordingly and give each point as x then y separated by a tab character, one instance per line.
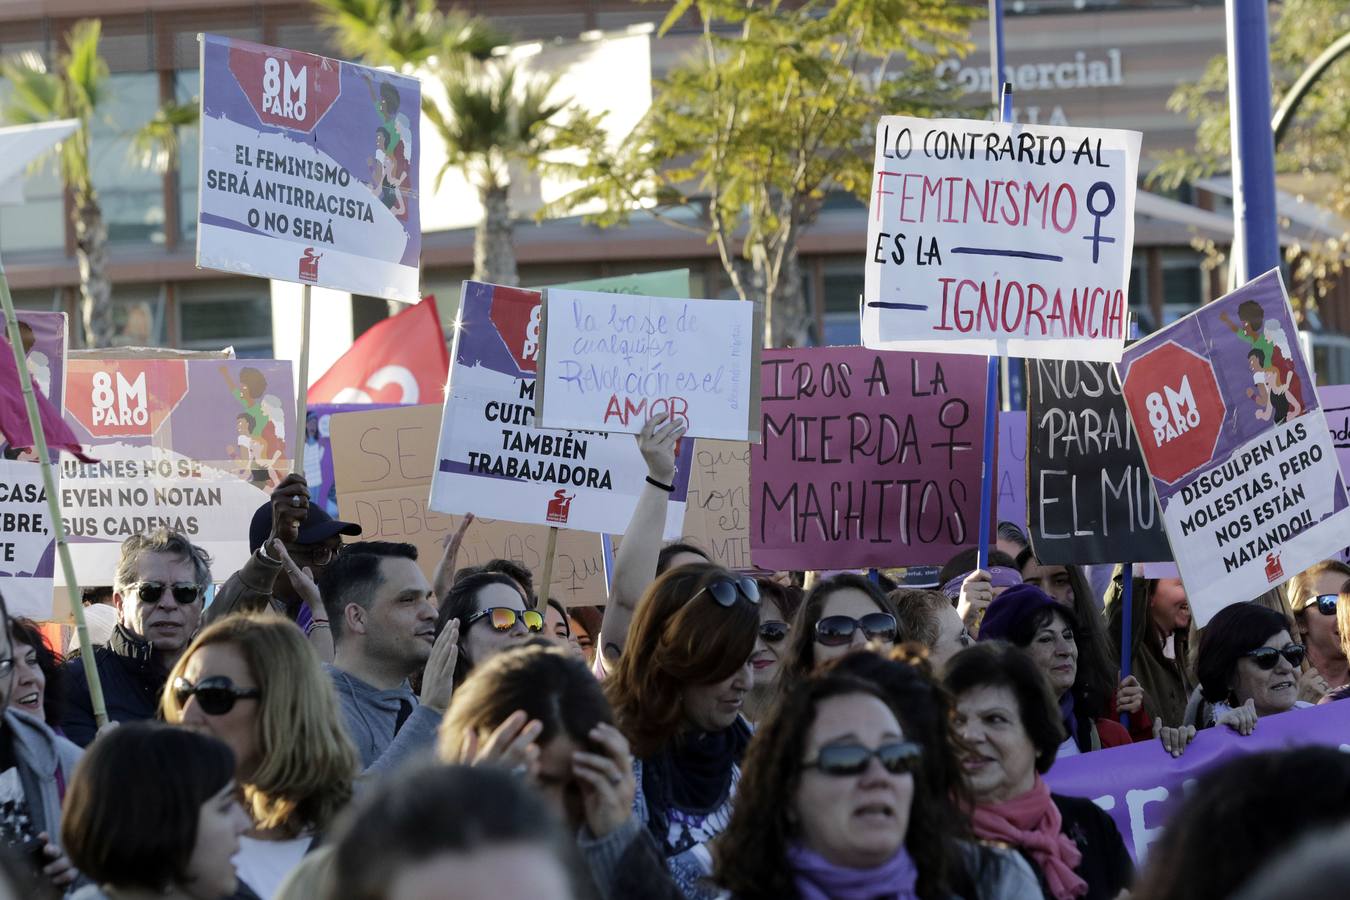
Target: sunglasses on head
835	631
896	757
773	632
724	590
1326	603
503	618
1267	657
150	592
215	695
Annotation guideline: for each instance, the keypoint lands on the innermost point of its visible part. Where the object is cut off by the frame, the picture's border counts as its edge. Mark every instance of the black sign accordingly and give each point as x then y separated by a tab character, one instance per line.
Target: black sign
1089	496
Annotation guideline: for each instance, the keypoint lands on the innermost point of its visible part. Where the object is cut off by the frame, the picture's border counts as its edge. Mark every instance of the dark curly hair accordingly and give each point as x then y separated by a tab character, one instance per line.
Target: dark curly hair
674	643
750	856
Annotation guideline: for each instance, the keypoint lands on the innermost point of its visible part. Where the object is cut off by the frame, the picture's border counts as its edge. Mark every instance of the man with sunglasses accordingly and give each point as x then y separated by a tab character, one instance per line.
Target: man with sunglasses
158	591
309	536
383	615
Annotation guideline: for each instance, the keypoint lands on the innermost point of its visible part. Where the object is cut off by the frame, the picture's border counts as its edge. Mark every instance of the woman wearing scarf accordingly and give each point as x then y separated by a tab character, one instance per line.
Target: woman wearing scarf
840	801
677	696
1012	729
1027	617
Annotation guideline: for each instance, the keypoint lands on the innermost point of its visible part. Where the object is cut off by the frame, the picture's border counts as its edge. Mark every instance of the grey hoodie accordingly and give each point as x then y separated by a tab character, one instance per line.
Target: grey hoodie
371	716
40	753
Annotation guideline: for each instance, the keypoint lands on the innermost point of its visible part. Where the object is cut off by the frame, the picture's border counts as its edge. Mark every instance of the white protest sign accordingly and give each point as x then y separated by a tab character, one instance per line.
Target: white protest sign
611	363
27	543
309	170
999	239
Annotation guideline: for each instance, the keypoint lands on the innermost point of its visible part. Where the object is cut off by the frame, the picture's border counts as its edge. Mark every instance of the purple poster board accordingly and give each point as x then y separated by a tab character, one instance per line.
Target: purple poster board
1012	468
869	458
1238	448
319	449
1141	785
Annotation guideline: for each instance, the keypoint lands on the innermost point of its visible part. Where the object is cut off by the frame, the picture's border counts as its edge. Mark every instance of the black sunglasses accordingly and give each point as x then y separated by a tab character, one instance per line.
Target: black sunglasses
150	592
215	695
1326	604
724	590
773	632
1267	657
897	757
504	618
836	631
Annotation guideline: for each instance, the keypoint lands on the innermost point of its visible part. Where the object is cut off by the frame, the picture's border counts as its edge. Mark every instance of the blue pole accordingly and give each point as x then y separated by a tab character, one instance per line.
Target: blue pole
874	576
1253	144
1126	631
996	51
989	469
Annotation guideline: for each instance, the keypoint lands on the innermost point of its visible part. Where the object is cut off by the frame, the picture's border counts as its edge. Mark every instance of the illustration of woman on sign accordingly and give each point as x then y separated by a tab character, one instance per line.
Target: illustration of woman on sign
1269	337
389	168
267	436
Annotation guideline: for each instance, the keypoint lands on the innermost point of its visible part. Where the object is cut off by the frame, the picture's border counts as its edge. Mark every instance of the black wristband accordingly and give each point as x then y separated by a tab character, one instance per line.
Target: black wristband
668	488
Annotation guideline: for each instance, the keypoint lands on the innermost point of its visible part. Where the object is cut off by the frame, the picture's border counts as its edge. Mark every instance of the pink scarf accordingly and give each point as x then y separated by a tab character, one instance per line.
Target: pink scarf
1032	823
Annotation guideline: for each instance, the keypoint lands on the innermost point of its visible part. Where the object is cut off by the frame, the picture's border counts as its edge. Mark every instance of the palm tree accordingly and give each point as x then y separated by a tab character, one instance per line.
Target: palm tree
76	90
493	115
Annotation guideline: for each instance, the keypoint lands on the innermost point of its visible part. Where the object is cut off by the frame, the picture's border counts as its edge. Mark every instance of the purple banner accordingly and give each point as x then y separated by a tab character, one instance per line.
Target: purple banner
869	458
1012	468
1140	785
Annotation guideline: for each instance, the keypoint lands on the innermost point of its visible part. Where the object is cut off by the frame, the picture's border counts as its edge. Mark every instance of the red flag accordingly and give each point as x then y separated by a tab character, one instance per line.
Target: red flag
400	360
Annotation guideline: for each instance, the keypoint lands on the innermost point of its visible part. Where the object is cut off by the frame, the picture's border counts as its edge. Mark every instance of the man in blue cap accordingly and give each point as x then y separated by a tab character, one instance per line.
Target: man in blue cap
288	525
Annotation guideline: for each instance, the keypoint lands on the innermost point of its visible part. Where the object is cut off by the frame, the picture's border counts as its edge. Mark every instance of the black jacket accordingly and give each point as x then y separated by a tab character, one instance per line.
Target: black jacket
132	682
1106	866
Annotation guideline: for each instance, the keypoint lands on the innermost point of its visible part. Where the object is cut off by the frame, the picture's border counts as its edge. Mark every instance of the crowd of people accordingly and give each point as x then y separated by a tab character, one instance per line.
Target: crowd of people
335	724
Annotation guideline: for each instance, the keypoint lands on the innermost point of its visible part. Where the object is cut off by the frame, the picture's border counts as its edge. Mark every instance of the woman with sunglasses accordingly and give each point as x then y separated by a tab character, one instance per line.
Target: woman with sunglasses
494	615
677	697
255	683
838	802
778	605
839	614
1248	667
1011	729
1312	597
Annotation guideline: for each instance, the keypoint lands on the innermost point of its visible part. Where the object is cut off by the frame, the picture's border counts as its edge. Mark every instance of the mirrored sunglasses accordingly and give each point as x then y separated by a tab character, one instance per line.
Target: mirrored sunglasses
897	757
503	618
773	632
835	631
1326	603
1267	657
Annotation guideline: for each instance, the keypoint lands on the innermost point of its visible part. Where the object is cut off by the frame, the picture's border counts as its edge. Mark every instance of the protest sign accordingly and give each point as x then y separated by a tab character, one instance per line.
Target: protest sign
1141	785
44	344
323	487
1011	501
613	363
309	170
1336	405
1239	450
195	446
384	461
999	239
668	283
869	458
717	515
493	461
1090	499
27	541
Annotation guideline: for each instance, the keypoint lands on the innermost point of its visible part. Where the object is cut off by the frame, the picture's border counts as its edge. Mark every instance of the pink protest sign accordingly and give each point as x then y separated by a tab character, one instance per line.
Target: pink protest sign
869	458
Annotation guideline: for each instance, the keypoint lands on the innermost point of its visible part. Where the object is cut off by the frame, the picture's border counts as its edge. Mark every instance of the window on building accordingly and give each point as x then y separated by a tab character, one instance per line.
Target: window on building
38	223
138	315
843	286
216	314
187	85
132	196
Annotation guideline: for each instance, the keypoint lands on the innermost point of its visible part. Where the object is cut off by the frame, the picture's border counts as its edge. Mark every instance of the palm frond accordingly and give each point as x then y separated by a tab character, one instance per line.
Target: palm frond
155	144
85	70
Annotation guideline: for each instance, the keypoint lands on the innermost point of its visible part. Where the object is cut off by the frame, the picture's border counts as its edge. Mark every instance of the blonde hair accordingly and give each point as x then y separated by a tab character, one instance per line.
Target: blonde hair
307	762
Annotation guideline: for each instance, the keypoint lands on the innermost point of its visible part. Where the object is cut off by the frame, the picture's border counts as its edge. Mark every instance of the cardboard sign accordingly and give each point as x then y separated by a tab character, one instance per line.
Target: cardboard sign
869	458
610	364
717	516
493	461
1240	453
196	446
27	541
385	459
1141	785
999	239
1090	499
309	170
1011	500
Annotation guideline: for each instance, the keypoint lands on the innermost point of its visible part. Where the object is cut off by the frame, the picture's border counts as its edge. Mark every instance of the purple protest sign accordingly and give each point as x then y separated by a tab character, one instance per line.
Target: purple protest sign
1011	501
869	458
1141	785
1239	450
319	449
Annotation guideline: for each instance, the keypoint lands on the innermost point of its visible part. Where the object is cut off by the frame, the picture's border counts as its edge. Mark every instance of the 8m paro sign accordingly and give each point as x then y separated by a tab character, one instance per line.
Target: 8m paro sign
1177	409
